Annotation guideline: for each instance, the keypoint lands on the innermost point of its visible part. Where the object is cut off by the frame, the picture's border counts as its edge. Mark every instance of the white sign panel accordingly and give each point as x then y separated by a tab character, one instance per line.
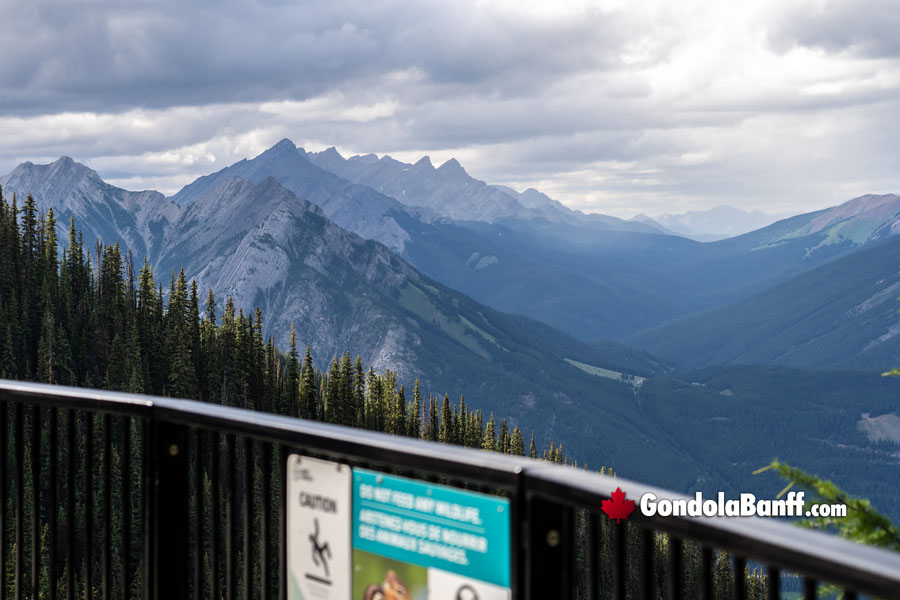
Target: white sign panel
318	529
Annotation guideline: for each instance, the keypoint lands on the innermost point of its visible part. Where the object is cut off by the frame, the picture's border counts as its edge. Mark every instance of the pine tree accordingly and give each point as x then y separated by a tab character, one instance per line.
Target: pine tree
373	393
346	402
517	443
490	436
182	373
402	410
210	389
46	365
332	392
260	395
193	341
292	387
446	435
415	429
7	356
433	424
308	399
117	375
503	438
359	394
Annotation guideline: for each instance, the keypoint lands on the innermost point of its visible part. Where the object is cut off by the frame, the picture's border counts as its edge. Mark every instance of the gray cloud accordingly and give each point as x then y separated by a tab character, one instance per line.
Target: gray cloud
635	108
864	28
112	56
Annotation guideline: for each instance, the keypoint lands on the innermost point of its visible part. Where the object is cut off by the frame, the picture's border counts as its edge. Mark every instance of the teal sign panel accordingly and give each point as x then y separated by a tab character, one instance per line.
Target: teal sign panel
434	526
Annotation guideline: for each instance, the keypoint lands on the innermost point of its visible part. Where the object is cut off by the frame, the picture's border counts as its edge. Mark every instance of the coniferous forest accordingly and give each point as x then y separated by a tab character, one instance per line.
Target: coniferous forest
85	316
80	315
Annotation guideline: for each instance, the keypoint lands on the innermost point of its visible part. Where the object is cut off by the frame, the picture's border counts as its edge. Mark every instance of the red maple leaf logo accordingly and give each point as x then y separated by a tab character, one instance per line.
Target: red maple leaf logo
618	507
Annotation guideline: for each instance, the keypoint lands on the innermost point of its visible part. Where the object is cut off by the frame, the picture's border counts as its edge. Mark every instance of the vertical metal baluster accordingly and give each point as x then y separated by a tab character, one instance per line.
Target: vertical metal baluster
20	498
107	508
265	473
214	485
706	578
593	554
648	543
281	469
51	502
35	499
739	584
774	583
674	568
147	508
809	588
4	447
126	508
71	451
248	488
88	505
198	514
229	519
620	584
171	510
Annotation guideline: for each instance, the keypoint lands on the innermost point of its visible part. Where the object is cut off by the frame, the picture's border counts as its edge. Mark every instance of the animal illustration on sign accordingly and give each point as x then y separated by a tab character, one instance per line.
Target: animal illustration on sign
391	589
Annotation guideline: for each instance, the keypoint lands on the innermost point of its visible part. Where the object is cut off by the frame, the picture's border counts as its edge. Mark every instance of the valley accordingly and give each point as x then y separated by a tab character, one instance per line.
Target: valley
519	308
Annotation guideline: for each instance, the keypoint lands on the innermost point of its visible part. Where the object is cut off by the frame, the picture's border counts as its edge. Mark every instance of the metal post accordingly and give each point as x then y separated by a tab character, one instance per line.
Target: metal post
551	541
170	519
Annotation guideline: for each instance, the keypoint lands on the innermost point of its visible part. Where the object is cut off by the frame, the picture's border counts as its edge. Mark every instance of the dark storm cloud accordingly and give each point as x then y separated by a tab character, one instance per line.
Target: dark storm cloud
73	56
638	106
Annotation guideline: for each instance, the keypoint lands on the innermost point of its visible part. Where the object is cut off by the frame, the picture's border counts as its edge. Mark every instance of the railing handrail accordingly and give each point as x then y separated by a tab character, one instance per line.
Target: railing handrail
816	554
353	444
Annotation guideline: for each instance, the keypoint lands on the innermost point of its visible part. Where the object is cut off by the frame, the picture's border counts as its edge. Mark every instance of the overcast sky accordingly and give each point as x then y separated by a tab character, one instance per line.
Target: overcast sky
617	107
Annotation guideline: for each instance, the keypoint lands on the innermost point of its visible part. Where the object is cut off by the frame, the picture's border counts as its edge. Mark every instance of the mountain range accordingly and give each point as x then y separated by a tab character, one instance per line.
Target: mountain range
592	278
516	301
264	246
841	314
717	223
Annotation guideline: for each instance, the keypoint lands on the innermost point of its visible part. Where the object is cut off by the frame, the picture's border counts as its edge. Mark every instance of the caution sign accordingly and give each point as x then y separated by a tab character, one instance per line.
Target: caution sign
318	529
418	540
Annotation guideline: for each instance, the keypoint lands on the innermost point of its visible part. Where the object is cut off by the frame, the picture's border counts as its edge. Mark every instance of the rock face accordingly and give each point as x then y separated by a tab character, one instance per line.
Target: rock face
447	190
266	247
860	220
102	211
261	244
354	207
451	192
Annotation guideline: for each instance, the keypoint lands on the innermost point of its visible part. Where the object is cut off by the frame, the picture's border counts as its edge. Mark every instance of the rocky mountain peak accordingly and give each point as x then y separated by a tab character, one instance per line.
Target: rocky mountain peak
283	148
451	166
424	163
64	173
365	159
331	152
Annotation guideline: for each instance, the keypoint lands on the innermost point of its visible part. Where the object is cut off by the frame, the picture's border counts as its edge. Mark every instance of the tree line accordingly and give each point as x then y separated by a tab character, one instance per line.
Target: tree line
85	316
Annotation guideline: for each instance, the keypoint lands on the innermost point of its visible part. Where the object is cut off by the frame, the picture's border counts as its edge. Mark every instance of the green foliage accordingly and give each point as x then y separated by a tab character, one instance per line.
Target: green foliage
99	326
862	523
722	416
68	321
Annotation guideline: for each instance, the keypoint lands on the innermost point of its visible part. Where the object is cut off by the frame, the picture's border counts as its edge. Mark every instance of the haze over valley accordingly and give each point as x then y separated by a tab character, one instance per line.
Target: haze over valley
581	327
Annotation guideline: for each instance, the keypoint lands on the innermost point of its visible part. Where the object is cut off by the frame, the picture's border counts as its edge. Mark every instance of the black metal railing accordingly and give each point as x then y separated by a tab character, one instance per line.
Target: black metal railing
120	496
